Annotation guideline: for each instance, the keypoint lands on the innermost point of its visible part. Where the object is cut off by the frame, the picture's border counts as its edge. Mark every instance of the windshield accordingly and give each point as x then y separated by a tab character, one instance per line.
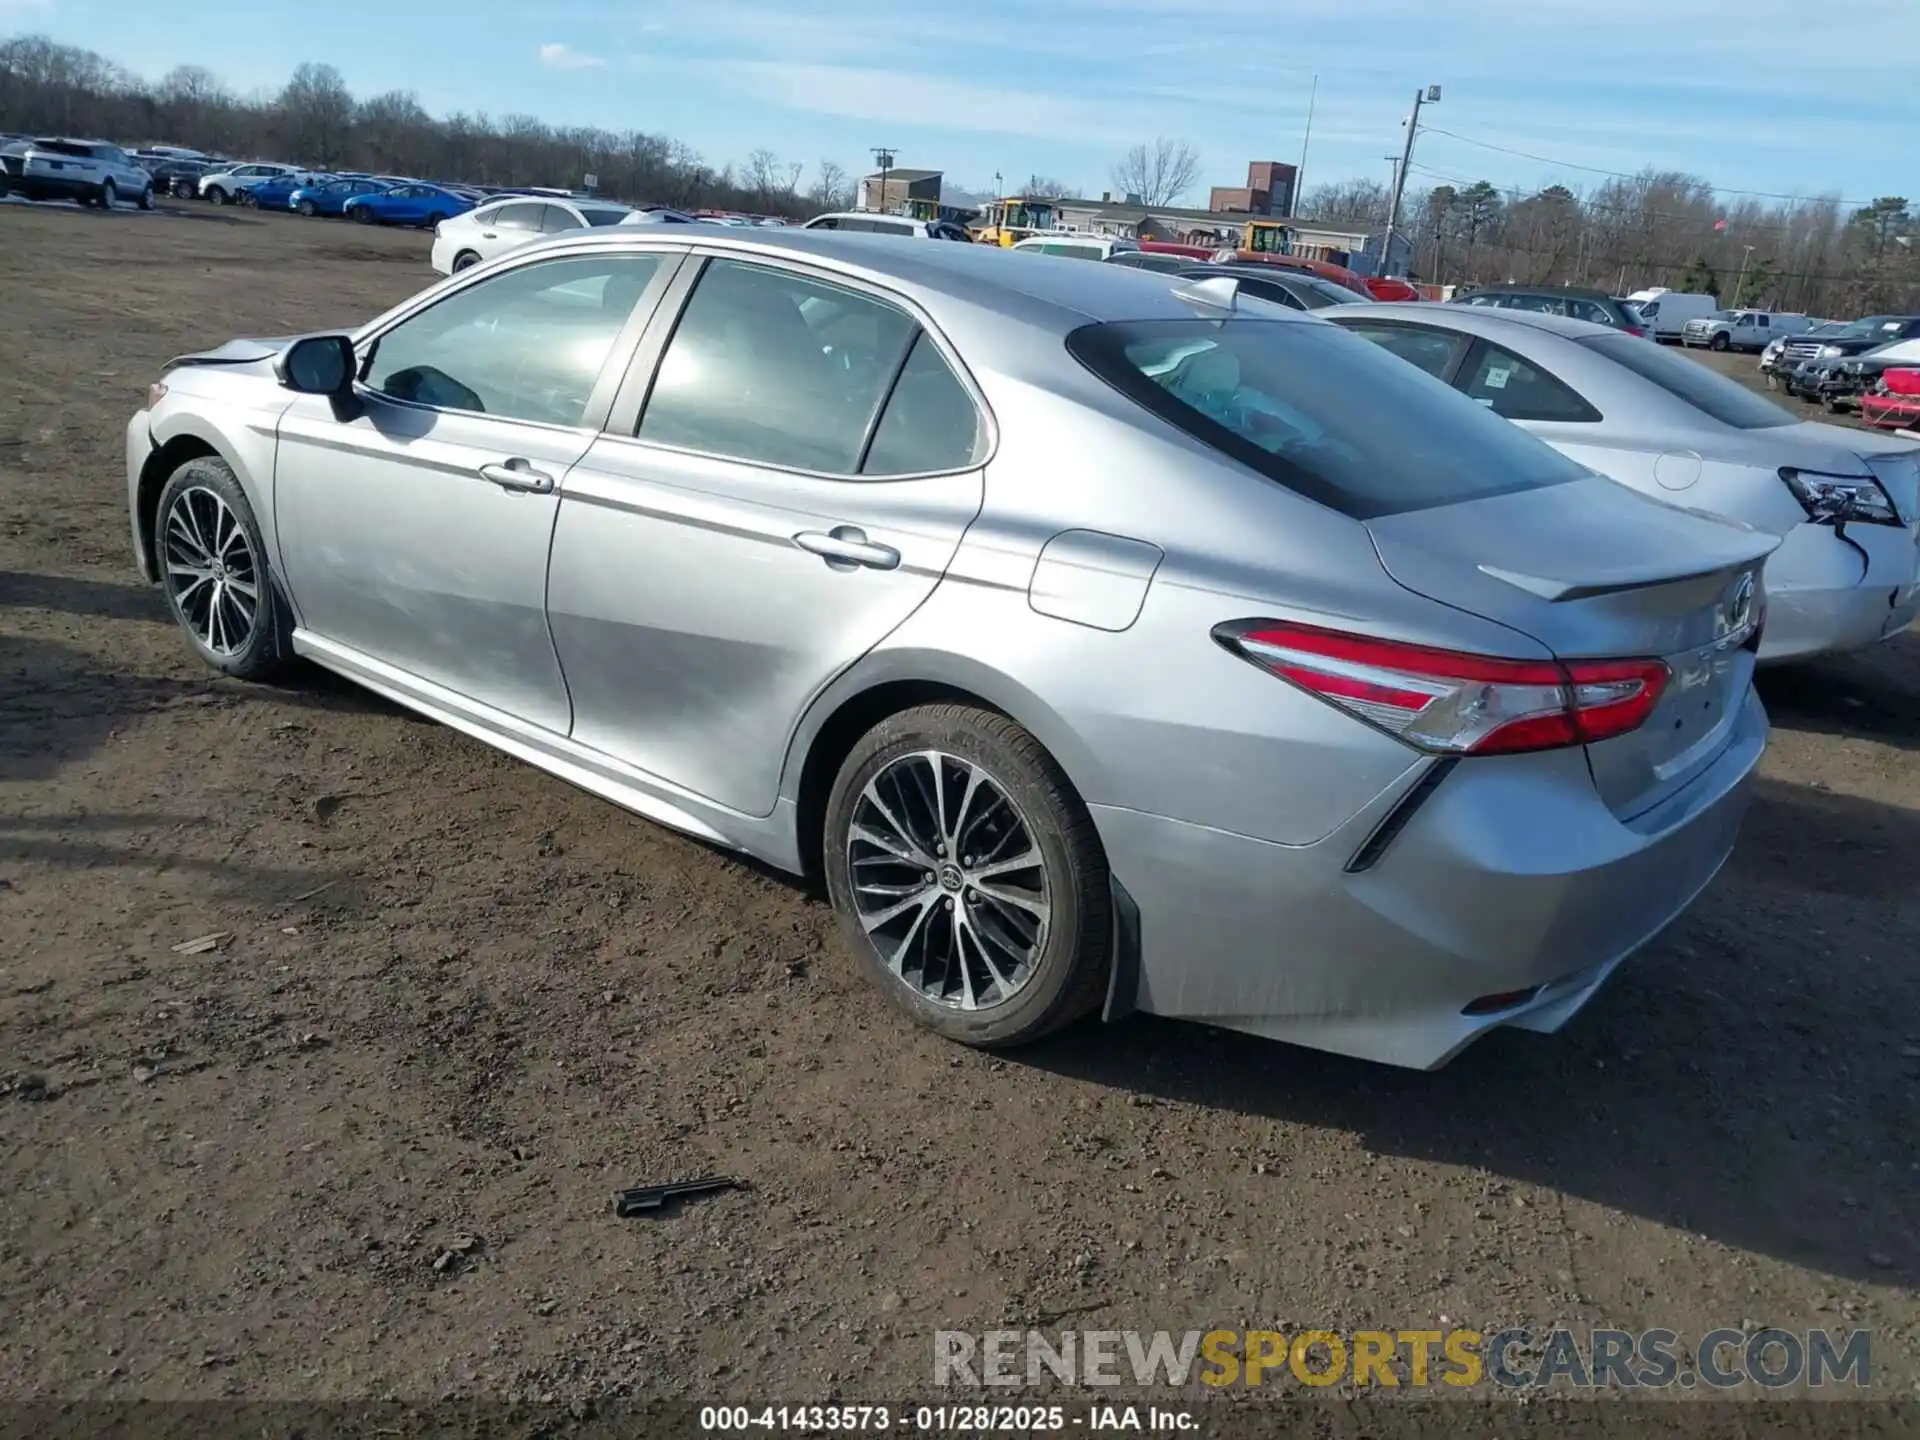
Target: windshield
1870	326
1279	397
1707	391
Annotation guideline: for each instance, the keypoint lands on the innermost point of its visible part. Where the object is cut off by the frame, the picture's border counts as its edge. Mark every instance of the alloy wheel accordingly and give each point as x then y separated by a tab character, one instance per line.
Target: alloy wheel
212	572
947	880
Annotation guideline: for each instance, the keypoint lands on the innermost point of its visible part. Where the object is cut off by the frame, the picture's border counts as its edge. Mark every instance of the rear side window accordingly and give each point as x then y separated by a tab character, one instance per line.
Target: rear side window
1434	351
1517	389
1707	391
522	216
930	422
1280	397
774	369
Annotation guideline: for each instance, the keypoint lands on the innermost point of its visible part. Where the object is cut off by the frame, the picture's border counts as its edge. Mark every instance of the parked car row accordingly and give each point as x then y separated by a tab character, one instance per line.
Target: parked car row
1836	366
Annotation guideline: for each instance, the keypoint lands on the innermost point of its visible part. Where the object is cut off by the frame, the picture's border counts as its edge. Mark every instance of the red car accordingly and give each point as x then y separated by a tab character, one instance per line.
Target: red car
1384	287
1325	269
1171	247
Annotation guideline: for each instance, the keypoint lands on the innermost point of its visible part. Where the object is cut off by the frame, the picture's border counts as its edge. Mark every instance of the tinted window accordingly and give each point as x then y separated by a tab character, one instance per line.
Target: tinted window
1713	394
1539	304
521	216
768	367
1269	290
929	422
527	345
1149	260
854	223
1591	311
1434	351
556	218
1281	397
1492	302
604	214
1516	390
825	222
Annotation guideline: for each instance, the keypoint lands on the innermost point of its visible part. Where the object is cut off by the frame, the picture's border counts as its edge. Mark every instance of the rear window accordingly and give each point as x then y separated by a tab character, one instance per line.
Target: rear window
1324	413
601	215
1707	391
67	147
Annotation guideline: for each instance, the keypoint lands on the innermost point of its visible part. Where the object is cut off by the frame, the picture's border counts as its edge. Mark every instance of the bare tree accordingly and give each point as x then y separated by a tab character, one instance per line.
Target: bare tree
832	187
316	112
1046	187
1159	173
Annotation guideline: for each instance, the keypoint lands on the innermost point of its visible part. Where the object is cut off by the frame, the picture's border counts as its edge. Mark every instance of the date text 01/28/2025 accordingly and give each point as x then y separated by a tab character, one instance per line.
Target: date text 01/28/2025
934	1419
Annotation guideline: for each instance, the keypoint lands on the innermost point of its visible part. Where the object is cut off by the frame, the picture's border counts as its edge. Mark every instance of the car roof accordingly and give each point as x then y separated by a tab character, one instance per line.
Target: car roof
1515	287
1480	320
1055	293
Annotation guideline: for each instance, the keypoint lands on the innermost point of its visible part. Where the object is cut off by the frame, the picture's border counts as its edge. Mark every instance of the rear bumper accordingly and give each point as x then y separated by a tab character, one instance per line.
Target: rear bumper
1822	596
1511	877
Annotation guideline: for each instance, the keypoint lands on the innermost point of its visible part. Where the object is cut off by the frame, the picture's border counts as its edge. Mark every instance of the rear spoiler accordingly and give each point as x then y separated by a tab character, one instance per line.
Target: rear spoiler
1556	590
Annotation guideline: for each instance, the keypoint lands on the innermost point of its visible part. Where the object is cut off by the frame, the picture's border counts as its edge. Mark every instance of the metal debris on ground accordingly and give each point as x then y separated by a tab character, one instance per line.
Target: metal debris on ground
651	1199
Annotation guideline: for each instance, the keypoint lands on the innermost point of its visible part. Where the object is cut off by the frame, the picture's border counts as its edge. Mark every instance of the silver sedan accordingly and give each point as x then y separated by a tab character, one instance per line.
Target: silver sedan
1845	504
1103	644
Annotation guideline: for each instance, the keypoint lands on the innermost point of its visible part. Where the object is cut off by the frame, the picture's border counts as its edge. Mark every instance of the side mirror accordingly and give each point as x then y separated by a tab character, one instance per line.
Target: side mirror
317	365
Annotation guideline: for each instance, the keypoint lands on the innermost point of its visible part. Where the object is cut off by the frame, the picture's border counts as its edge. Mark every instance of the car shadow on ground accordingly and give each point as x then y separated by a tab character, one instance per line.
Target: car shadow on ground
1872	695
1742	1080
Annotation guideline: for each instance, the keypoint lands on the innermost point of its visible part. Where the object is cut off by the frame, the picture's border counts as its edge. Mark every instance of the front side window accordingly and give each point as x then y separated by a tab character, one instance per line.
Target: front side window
1278	397
1515	389
526	345
1592	313
770	367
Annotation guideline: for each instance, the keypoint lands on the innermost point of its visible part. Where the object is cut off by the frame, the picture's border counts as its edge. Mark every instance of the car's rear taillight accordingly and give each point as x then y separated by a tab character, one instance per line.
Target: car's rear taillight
1453	703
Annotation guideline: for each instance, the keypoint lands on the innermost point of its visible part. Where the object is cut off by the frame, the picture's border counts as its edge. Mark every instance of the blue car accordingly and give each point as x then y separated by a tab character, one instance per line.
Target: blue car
423	205
331	197
276	192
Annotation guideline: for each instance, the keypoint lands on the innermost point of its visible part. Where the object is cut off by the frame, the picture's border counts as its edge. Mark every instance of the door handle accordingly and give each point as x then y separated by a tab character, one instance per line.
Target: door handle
517	474
848	545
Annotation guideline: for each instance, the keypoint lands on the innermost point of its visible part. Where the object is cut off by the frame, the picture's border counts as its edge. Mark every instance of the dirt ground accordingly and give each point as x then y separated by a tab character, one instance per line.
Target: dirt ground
364	1145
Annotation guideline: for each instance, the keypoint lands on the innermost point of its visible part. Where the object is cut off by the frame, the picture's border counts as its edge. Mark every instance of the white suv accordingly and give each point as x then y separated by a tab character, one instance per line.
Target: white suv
873	223
223	187
1075	246
511	220
89	171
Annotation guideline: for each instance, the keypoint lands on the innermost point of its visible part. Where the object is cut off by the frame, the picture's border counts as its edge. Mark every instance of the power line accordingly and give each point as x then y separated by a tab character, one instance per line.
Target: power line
1617	174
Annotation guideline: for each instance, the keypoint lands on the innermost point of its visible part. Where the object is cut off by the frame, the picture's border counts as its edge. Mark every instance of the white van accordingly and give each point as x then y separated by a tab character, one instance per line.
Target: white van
1077	247
1668	311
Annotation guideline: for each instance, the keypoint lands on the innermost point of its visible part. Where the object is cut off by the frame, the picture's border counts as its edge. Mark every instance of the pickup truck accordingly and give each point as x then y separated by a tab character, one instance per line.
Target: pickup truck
1742	329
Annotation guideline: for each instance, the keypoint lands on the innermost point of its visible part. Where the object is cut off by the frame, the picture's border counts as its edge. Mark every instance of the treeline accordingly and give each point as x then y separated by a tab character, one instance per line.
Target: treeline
1822	256
315	120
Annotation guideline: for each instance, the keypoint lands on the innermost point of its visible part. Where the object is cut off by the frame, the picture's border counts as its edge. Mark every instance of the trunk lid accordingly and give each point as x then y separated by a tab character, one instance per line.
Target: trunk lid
1593	570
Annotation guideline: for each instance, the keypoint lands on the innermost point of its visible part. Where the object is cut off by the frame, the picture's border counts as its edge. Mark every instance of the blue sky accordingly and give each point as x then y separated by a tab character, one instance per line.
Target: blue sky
1753	94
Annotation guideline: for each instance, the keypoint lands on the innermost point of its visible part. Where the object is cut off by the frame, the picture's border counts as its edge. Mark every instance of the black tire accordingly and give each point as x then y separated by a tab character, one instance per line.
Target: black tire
465	260
219	196
109	195
146	198
268	649
1719	342
1068	976
435	221
362	215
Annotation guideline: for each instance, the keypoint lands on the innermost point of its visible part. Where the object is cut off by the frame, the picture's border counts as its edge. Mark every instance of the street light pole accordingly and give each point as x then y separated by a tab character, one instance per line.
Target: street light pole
883	157
1428	96
1300	174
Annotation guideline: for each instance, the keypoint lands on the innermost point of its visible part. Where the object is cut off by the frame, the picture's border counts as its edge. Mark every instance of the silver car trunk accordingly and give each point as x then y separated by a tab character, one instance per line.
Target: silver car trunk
1591	569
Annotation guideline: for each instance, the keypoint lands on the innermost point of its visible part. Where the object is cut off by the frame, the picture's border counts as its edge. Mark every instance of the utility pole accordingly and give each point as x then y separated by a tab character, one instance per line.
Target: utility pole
883	157
1300	174
1429	96
1740	285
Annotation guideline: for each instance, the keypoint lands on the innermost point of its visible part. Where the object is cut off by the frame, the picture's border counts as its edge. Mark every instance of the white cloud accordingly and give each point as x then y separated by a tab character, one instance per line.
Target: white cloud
564	57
